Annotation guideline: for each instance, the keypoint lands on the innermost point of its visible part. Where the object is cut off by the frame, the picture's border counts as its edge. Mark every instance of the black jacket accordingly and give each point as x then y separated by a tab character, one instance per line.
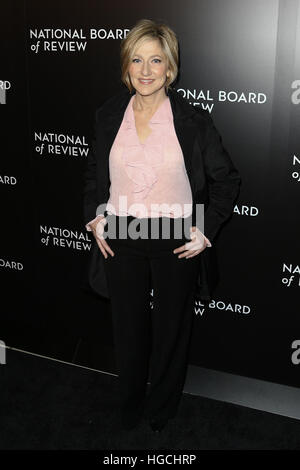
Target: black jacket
213	178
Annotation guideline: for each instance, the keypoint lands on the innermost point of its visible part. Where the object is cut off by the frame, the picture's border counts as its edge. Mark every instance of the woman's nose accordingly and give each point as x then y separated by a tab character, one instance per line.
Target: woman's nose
146	70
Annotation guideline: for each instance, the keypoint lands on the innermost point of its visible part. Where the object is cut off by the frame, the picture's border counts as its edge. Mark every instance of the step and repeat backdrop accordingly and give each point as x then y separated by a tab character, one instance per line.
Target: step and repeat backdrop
240	60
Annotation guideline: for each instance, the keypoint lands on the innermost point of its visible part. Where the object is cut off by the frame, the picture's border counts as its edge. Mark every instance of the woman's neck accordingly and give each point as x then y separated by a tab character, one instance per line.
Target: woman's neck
148	104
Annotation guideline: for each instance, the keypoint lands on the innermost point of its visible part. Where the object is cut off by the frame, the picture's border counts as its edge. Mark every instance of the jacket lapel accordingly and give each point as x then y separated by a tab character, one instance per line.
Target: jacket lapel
185	129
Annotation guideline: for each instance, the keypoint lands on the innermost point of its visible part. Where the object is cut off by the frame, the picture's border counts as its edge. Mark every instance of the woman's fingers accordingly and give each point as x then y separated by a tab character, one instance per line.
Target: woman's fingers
179	249
191	253
106	247
101	247
188	253
102	243
195	253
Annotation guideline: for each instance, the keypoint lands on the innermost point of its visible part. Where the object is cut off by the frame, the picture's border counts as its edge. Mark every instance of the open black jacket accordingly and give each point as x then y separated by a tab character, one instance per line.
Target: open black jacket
213	178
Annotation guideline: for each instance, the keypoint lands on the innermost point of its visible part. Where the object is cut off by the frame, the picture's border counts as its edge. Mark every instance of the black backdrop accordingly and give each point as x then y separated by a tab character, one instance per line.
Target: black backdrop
59	62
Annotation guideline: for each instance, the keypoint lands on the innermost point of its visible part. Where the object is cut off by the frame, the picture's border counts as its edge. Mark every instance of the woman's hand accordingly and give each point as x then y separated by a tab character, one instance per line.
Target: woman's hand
97	228
199	243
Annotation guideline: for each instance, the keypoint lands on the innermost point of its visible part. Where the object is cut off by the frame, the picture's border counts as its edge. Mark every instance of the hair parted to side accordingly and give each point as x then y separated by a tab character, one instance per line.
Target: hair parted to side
143	30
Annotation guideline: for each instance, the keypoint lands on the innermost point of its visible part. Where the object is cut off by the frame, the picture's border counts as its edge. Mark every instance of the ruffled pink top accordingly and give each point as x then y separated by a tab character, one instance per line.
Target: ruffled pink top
150	173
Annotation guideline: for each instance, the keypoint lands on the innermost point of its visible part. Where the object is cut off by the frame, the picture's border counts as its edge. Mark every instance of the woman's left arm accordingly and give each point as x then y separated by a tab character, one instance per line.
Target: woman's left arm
223	180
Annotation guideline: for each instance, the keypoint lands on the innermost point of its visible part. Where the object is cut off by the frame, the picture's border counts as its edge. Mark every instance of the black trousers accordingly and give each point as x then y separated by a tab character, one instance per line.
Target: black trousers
150	343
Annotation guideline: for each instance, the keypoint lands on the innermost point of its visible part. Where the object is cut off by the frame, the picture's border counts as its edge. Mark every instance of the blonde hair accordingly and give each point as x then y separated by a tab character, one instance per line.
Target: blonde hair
148	29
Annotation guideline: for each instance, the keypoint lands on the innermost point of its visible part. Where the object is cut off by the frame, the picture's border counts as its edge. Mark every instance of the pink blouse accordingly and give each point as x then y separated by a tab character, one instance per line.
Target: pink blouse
148	179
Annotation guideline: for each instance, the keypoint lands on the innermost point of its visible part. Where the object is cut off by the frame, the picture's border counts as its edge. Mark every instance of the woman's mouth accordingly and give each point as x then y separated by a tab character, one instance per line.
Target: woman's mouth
145	82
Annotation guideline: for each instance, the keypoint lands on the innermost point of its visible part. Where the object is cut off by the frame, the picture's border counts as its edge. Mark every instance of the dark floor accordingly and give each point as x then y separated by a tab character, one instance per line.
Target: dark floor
46	404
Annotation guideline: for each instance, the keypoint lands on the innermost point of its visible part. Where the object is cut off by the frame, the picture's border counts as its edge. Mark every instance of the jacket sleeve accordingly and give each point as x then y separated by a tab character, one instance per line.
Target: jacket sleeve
223	180
94	197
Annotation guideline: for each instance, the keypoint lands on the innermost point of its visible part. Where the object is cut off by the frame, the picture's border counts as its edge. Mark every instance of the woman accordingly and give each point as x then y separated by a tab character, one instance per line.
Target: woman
164	159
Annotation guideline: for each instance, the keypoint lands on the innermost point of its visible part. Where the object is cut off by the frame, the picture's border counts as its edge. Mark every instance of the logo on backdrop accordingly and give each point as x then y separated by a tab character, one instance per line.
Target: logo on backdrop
199	307
250	211
222	306
10	180
50	143
65	238
207	98
295	357
296	169
11	264
5	85
291	275
70	40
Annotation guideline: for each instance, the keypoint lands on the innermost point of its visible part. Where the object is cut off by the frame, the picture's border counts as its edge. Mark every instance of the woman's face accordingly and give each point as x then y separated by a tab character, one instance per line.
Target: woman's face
148	69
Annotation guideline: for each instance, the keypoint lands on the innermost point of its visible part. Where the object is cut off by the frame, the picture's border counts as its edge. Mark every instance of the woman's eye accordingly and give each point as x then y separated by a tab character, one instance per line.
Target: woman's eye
158	60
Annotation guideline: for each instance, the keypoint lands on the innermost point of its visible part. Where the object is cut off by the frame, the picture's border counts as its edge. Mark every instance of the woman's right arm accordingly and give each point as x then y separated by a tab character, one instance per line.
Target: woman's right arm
90	203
